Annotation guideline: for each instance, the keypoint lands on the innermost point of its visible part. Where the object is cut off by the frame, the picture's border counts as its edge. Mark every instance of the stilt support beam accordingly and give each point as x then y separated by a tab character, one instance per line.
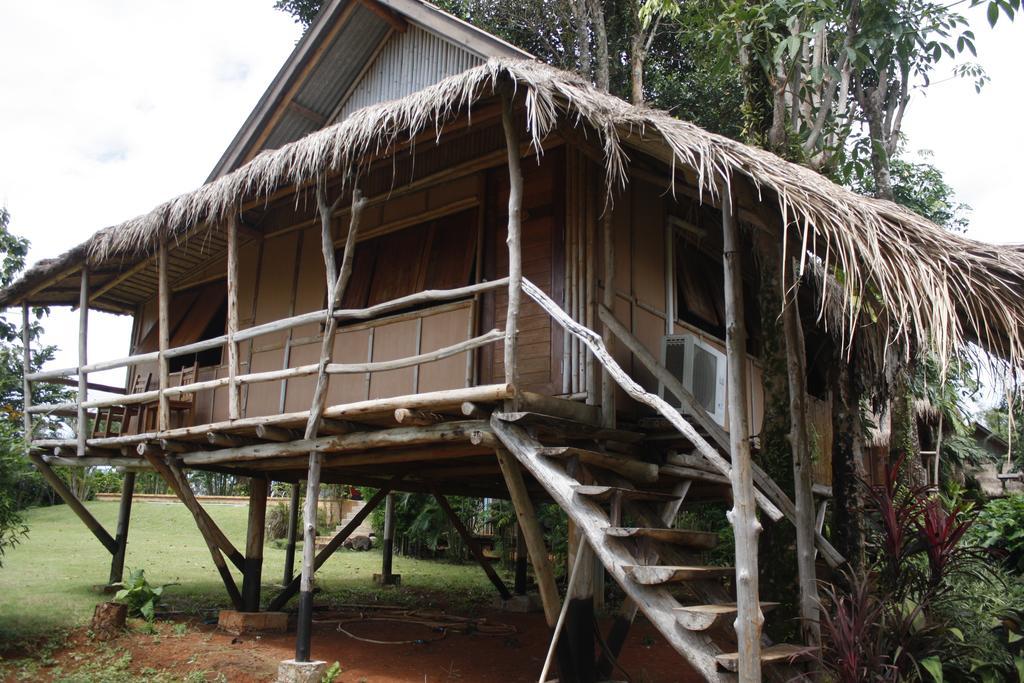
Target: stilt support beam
473	545
72	501
124	513
258	489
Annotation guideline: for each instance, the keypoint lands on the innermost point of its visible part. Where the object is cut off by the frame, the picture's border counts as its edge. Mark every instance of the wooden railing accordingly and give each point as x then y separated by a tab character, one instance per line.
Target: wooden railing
63	375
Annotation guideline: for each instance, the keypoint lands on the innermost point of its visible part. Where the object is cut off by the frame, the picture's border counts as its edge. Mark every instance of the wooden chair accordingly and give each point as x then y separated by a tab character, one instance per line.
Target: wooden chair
106	418
184	405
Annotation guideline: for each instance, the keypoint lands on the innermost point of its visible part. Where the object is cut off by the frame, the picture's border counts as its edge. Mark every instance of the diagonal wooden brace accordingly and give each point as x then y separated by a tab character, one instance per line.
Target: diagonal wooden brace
175	478
472	544
289	591
72	502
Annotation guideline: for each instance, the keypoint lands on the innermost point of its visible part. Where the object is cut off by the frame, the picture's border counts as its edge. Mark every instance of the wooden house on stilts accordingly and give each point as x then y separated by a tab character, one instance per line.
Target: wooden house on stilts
429	263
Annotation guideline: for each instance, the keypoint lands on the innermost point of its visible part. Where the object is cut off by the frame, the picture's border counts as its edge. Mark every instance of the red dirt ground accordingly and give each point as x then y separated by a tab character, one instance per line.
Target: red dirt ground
456	657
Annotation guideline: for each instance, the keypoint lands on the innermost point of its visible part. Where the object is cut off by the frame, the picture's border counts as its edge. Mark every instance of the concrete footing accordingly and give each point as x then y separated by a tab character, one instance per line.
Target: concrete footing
519	603
393	580
290	671
252	622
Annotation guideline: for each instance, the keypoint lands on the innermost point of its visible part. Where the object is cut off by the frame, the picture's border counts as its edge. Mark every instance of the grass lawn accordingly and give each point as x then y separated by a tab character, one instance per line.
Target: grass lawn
46	582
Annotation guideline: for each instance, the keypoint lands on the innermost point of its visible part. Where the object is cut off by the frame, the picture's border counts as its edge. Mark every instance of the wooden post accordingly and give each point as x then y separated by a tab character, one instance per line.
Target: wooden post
176	479
335	293
26	366
388	549
258	490
473	545
72	502
282	598
163	416
124	513
533	534
608	299
519	588
293	524
803	467
743	515
83	360
513	240
234	411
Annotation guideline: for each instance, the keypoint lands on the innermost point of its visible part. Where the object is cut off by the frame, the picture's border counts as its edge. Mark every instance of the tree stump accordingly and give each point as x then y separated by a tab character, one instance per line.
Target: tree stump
108	619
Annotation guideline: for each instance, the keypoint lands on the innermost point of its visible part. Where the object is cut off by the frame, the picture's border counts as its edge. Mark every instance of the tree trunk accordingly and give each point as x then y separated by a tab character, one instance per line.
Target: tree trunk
601	57
904	441
879	143
778	578
847	465
636	64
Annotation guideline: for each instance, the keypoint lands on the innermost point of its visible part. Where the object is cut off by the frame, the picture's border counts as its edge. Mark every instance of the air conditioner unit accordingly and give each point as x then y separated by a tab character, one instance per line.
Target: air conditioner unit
701	369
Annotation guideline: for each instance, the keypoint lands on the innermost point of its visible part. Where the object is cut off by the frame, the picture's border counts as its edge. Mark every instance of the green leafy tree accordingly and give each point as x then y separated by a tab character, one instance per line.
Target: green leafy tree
20	485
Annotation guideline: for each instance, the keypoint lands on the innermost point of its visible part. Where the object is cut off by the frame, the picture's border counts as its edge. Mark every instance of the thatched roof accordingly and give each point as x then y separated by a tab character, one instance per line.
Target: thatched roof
938	289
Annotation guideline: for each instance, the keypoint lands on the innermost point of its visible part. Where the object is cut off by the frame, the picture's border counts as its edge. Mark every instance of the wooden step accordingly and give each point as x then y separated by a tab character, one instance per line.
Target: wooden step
654	575
693	474
561	427
699	540
703	617
776	654
605	493
631	468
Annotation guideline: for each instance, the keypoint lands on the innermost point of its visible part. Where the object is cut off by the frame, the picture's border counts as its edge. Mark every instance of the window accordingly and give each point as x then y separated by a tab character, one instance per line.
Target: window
194	315
436	254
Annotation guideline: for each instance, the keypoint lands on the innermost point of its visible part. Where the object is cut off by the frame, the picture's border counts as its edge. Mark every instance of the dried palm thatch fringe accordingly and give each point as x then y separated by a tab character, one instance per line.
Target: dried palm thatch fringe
937	290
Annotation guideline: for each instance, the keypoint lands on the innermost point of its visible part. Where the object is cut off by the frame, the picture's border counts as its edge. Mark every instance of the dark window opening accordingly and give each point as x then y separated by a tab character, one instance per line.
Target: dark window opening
435	254
195	314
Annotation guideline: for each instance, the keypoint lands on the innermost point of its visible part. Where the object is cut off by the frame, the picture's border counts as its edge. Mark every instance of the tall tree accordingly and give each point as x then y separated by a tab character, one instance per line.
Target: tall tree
19	485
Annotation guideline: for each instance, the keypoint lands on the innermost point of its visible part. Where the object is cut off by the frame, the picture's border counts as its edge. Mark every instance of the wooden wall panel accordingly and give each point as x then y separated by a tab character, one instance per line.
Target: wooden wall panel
440	330
390	341
350	346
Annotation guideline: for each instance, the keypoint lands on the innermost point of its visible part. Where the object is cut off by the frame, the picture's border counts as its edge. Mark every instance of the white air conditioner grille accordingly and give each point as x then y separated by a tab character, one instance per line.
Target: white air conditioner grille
705	377
700	368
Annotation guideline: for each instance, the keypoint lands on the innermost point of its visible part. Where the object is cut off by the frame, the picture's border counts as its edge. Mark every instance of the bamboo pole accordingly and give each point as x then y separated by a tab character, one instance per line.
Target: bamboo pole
83	360
608	299
26	365
743	515
163	314
234	411
513	239
335	293
803	467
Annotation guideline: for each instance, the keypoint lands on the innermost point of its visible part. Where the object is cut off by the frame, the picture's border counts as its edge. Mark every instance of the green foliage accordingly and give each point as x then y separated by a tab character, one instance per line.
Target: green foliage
277	522
1000	528
141	597
332	672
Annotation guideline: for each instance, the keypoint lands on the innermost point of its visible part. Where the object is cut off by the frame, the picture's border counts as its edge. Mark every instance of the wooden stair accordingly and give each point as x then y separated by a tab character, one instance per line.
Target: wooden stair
655	575
773	654
705	617
630	553
698	540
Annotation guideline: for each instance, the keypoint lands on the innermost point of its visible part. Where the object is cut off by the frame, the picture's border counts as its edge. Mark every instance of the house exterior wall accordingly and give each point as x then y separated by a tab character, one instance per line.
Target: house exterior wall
282	275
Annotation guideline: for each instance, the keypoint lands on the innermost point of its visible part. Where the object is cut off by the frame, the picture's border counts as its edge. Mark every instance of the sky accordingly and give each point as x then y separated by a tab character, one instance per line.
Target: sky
110	107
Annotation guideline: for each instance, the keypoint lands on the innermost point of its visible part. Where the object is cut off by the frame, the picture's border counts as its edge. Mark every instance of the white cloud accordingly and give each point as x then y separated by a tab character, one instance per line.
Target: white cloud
110	107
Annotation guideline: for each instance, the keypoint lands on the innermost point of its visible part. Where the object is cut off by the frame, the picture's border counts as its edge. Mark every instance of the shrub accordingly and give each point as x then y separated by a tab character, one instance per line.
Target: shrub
140	596
1000	528
277	522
